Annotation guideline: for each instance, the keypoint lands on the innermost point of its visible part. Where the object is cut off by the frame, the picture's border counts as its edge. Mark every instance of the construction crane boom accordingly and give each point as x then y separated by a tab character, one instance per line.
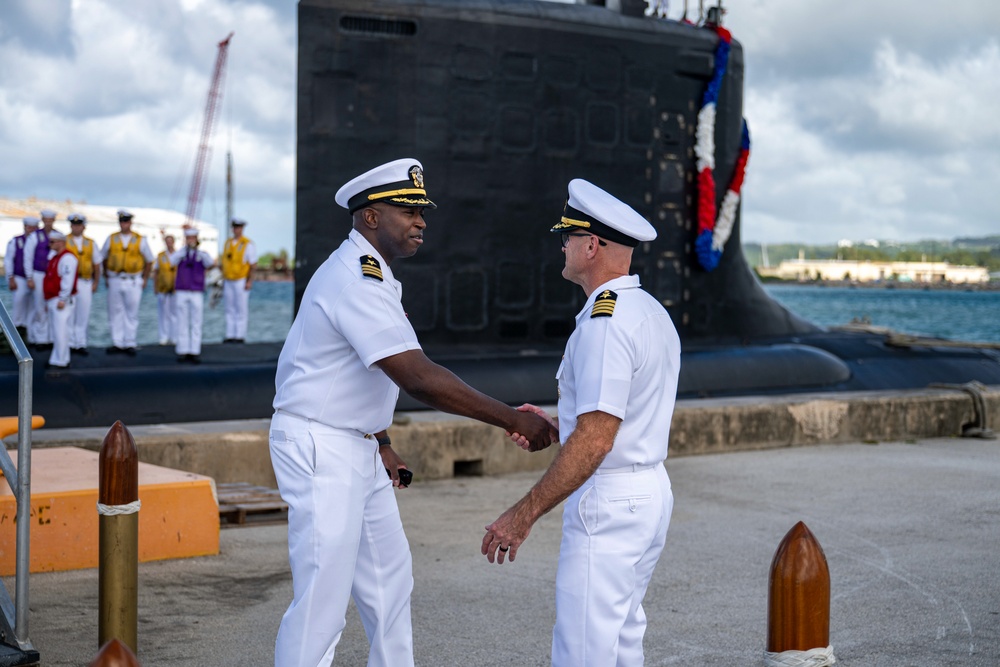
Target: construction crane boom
207	127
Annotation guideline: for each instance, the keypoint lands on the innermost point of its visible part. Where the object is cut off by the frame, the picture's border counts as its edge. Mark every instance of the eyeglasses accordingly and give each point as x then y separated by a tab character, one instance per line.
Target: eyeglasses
565	238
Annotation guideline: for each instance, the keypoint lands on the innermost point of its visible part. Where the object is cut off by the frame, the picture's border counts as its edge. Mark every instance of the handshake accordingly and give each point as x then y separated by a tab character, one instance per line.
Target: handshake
534	429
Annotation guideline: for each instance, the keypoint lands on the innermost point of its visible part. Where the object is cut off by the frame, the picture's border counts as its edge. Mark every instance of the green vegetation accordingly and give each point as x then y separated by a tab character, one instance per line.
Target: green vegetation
983	251
279	262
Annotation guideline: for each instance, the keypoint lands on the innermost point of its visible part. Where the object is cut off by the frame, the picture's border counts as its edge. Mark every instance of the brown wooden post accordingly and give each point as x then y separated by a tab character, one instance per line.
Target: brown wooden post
115	654
118	574
798	601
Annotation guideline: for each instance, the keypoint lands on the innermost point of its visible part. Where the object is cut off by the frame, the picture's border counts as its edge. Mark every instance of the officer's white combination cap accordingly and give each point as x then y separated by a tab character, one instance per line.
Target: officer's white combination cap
190	231
124	214
400	183
591	209
238	222
77	218
30	220
56	236
47	213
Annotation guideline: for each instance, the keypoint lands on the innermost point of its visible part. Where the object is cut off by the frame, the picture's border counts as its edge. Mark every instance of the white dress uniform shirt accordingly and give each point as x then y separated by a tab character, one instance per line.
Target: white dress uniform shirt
345	324
615	524
345	537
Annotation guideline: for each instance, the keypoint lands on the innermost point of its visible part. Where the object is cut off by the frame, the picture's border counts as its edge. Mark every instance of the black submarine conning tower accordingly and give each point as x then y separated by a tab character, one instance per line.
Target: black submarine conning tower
504	102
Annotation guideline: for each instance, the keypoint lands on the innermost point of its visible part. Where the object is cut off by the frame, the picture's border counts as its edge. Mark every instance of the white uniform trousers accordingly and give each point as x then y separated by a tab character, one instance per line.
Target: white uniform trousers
59	330
614	528
345	539
236	297
166	315
81	313
23	300
38	321
124	294
188	308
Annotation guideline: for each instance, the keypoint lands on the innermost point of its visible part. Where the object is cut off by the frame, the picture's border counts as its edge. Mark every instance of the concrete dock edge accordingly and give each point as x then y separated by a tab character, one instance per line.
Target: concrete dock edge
438	446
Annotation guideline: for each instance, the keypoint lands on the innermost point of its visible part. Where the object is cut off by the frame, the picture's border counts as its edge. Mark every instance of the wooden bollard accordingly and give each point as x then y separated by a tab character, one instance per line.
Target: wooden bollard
798	600
115	654
118	496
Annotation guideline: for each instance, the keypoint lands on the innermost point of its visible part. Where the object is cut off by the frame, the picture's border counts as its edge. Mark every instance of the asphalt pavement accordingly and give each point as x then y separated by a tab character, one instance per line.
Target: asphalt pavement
911	533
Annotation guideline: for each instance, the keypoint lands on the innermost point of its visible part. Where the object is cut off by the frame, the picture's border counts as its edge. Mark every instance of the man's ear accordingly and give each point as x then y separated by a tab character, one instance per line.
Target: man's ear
369	216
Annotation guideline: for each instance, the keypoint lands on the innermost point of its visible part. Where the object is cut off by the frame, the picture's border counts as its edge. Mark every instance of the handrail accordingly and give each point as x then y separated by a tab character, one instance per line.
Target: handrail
20	483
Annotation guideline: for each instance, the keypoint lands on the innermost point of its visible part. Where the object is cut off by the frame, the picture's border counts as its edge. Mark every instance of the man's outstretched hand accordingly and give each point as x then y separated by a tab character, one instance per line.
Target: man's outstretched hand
523	438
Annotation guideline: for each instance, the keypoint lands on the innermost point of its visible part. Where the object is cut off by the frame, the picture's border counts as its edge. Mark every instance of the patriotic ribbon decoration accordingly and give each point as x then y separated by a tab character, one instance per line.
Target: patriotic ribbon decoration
712	233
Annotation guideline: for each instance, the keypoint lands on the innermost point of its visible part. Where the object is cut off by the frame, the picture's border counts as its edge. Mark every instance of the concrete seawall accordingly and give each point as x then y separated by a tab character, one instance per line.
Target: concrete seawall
437	446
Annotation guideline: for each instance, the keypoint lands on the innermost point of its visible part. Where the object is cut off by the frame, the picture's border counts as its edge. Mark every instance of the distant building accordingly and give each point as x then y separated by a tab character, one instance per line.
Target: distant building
102	221
864	272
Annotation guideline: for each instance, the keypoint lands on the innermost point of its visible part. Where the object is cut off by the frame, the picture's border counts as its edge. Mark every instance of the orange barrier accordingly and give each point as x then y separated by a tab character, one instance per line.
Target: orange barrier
8	425
179	516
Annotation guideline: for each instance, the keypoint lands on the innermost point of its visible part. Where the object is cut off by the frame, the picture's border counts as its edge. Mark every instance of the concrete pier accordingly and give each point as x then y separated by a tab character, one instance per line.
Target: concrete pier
909	529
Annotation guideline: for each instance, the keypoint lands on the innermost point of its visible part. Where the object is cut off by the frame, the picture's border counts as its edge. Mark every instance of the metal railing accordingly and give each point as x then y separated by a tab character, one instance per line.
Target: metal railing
15	617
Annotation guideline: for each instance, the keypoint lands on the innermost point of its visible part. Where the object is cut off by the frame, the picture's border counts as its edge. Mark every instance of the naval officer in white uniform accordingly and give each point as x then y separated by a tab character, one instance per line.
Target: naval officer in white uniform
347	353
617	387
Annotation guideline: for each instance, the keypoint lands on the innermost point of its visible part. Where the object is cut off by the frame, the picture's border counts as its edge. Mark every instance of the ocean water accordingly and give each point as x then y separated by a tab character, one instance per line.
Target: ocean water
952	314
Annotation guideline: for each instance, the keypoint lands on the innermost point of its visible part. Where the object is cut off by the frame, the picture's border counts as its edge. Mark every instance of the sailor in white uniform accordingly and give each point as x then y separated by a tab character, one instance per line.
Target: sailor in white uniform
189	291
128	262
89	257
347	353
17	265
36	256
59	288
617	387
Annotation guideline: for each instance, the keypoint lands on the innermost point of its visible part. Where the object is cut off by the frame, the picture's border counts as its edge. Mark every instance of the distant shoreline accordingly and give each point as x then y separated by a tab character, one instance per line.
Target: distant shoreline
950	287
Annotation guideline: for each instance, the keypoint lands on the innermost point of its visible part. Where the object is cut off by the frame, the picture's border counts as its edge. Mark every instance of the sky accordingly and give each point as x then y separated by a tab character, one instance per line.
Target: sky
870	119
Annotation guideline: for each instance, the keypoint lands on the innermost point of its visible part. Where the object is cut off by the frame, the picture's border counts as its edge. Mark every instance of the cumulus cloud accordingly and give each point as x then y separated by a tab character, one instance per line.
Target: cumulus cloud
868	118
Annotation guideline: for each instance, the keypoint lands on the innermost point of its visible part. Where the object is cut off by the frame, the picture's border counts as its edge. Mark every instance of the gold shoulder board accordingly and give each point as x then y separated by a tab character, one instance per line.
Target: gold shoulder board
604	304
370	267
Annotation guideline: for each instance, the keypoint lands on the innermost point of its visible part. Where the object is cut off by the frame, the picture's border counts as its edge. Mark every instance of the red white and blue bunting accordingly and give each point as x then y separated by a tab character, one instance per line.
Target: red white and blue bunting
712	233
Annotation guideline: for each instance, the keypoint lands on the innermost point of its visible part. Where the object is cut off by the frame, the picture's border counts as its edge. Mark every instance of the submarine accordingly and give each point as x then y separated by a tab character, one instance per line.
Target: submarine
504	102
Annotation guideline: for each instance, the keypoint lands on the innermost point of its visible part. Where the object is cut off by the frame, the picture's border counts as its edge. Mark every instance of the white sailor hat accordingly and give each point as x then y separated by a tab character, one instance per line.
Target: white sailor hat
190	231
47	213
31	220
238	222
56	236
592	209
77	219
124	214
400	183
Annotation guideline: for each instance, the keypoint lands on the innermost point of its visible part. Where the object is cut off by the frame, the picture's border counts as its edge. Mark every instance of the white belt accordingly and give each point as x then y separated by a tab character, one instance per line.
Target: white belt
347	431
635	467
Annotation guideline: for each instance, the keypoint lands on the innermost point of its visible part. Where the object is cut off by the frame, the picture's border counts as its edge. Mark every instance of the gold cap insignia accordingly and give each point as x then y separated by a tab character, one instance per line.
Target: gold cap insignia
604	304
370	267
417	176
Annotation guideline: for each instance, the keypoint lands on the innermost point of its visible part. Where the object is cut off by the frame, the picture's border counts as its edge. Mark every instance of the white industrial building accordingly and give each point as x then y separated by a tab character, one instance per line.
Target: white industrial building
867	271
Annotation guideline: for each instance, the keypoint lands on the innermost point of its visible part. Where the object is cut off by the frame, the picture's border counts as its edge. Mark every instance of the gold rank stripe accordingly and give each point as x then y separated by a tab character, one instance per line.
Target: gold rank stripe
394	193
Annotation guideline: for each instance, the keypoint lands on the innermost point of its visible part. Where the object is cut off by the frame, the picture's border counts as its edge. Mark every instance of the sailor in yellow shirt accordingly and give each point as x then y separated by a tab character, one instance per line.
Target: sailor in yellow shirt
239	259
128	262
89	259
166	298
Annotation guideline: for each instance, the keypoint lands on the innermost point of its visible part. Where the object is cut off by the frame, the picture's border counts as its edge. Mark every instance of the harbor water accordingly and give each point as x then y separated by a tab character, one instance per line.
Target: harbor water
953	314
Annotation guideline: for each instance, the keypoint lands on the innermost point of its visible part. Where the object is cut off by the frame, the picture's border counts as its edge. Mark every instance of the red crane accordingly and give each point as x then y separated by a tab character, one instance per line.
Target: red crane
208	125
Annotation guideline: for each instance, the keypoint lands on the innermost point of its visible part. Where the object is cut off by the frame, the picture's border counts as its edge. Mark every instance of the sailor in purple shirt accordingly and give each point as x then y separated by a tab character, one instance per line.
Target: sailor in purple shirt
189	288
36	254
17	278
